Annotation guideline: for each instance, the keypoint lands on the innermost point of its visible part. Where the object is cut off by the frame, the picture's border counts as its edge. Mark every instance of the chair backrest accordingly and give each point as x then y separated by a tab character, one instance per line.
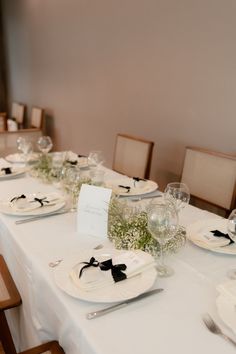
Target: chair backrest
3	121
18	112
210	176
132	156
36	119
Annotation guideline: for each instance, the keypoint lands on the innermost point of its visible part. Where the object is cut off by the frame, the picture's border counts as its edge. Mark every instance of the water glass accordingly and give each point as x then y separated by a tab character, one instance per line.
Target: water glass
44	144
178	194
70	179
162	224
95	158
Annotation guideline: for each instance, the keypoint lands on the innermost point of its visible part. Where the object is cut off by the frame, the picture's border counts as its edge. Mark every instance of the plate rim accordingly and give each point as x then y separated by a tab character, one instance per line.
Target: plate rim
79	294
153	183
33	212
222	250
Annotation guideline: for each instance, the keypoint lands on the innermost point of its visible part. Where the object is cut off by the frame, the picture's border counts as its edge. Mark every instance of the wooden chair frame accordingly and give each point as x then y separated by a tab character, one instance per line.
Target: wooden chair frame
219	155
10	298
150	145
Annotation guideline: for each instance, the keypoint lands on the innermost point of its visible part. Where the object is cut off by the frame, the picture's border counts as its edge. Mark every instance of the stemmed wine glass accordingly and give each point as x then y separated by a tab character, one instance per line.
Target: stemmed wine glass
25	146
95	158
162	224
177	193
70	178
44	144
231	229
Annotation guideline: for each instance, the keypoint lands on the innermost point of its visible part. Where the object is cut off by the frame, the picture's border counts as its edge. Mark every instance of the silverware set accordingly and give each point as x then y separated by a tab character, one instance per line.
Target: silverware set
39	217
214	328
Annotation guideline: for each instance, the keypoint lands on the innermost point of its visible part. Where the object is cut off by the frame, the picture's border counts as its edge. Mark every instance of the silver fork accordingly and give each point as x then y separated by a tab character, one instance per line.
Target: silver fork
214	328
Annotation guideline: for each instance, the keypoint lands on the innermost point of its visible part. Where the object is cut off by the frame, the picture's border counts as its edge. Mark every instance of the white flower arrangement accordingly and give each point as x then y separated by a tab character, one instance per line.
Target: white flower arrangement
127	229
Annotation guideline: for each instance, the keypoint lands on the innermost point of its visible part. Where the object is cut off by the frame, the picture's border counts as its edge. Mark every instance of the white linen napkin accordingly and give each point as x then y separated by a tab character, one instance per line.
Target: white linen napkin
94	278
206	238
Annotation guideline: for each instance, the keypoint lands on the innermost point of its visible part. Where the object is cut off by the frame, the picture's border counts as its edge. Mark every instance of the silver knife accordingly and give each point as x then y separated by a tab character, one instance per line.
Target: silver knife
102	312
38	217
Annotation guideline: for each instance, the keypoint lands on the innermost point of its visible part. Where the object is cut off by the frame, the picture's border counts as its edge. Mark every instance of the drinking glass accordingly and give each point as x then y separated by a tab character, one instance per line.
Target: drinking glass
95	158
162	224
70	178
231	229
44	144
25	146
178	194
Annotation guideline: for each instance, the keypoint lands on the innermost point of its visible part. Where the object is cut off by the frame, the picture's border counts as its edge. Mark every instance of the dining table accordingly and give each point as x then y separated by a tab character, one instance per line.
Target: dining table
167	322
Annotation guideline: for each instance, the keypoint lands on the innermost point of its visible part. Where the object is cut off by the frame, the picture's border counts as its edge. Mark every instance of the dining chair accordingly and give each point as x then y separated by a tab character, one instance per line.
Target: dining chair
3	121
17	114
10	298
211	177
132	156
36	118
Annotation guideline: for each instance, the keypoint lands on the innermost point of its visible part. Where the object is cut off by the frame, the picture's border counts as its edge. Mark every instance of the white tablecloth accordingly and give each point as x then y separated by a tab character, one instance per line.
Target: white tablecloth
169	322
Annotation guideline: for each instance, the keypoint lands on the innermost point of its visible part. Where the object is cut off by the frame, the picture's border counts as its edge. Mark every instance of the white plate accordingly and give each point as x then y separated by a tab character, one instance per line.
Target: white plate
15	173
123	290
226	308
19	158
207	225
6	208
137	188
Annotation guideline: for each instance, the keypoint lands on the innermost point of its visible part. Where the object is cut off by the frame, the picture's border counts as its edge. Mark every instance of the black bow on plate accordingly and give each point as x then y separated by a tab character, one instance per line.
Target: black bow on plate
92	263
74	163
125	187
116	270
40	200
218	233
137	179
22	196
7	170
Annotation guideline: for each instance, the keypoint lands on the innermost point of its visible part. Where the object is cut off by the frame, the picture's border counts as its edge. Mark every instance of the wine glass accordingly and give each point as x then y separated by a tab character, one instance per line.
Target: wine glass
231	229
95	158
70	178
177	193
162	224
44	144
25	146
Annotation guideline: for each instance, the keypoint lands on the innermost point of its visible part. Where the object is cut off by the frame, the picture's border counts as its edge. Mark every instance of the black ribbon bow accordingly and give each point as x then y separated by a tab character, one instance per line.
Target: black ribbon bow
92	263
22	196
74	163
125	187
116	270
138	179
7	170
218	233
40	200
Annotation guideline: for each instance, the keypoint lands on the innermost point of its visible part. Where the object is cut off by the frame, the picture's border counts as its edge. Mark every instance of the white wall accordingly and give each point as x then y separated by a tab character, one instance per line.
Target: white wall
161	69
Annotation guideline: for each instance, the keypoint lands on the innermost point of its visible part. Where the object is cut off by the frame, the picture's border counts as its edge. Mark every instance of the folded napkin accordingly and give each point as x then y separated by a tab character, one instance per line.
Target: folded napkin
92	274
208	239
34	201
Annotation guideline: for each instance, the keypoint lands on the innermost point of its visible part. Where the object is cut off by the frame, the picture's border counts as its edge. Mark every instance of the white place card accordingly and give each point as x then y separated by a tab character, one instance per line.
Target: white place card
92	214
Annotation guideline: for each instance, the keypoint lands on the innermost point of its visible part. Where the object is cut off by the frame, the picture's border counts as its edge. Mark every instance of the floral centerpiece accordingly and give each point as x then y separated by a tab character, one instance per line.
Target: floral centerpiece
127	229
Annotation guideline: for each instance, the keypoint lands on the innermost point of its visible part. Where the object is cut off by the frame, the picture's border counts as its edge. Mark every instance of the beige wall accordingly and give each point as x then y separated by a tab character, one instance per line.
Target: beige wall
161	69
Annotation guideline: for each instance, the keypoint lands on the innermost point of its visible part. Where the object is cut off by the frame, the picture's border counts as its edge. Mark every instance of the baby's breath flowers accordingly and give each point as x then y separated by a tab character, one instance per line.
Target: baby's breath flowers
127	229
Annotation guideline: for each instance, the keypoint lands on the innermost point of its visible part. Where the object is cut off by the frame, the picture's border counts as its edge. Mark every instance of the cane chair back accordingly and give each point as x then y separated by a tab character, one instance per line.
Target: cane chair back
132	156
210	176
